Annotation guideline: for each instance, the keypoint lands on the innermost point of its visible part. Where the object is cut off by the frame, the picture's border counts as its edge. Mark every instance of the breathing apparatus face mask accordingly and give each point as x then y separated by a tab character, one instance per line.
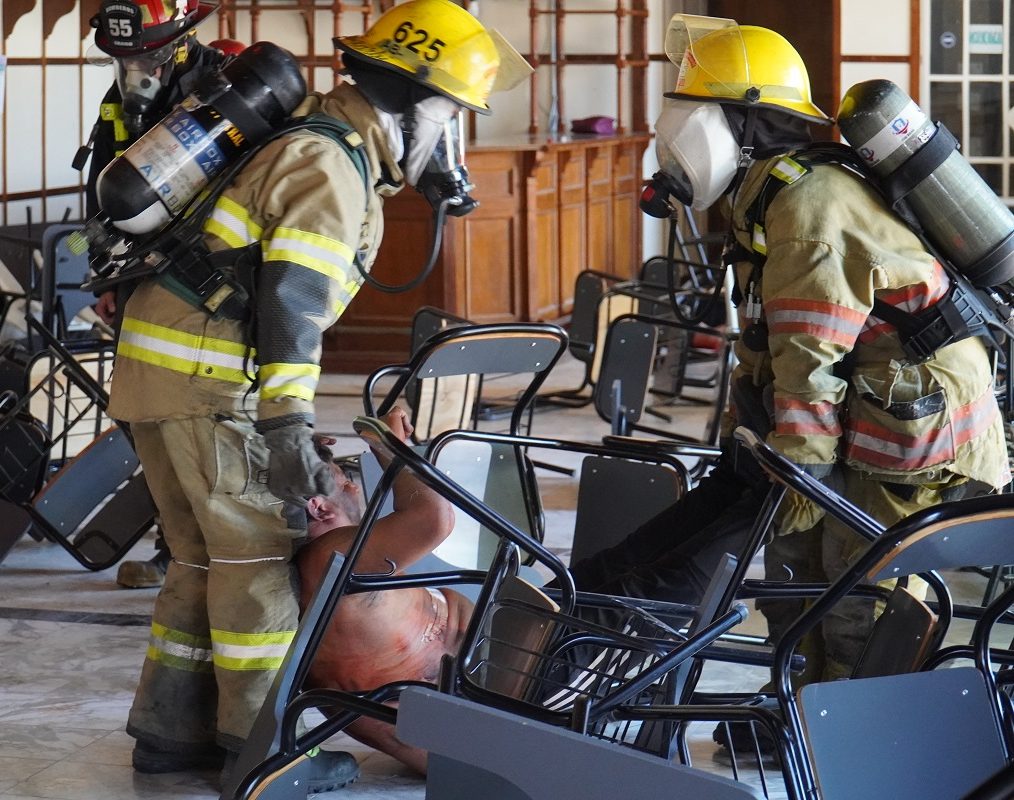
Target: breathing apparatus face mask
141	80
434	158
698	154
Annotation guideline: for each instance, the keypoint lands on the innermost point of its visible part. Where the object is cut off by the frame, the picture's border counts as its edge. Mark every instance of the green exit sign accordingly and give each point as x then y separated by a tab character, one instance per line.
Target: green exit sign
986	39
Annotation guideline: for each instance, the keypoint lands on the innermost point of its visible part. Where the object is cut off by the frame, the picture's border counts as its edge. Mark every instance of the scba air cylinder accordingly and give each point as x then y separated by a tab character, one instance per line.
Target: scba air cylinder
228	113
958	211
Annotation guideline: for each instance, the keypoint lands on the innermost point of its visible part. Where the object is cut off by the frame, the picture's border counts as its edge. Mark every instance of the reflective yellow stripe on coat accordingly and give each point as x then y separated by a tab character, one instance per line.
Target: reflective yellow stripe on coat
325	255
290	380
183	352
231	223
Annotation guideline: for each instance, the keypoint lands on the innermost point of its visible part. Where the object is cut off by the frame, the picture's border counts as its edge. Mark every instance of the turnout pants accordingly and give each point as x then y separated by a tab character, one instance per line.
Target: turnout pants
228	609
821	555
673	556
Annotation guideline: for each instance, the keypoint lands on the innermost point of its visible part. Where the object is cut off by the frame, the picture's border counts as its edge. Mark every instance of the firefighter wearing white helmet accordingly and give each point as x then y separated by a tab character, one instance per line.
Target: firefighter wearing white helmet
221	402
820	374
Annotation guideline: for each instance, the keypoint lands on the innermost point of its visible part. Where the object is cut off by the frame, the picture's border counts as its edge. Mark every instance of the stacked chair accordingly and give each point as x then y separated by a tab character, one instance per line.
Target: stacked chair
517	663
68	473
555	693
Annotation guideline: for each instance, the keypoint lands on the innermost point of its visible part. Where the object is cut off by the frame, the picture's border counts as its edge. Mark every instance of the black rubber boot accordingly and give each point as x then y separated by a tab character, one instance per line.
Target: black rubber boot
152	761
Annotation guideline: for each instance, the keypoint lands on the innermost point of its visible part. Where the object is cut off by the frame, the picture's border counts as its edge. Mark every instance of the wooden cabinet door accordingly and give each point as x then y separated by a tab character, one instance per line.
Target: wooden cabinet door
543	268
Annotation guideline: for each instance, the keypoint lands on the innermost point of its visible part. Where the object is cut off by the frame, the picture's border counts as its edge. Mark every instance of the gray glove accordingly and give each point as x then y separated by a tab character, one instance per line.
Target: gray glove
296	471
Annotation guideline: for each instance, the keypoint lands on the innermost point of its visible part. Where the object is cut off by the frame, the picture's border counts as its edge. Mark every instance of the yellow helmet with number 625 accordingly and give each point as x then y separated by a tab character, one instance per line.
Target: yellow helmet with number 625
439	45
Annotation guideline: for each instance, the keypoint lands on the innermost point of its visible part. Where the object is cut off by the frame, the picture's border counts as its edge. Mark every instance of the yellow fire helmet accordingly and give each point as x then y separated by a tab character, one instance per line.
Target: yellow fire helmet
443	47
723	61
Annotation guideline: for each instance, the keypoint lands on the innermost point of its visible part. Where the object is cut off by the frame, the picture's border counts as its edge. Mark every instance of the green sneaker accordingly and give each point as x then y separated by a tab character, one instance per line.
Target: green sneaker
328	770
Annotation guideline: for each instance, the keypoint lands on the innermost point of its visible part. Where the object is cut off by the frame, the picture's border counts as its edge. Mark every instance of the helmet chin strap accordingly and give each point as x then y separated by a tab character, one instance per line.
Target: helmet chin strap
746	145
408	126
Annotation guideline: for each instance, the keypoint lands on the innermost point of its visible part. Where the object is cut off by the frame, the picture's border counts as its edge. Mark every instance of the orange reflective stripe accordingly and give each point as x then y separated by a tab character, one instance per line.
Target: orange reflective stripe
825	321
975	418
912	299
794	416
877	445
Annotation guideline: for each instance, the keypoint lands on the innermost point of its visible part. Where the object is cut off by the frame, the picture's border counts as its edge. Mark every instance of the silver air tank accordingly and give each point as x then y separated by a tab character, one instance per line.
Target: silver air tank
958	211
228	113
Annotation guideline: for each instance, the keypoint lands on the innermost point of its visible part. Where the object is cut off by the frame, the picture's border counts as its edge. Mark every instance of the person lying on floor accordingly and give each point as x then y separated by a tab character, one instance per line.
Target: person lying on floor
380	637
386	636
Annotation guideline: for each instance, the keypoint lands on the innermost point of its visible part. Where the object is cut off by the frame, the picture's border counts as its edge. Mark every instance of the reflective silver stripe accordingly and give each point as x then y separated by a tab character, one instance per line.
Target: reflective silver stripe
245	652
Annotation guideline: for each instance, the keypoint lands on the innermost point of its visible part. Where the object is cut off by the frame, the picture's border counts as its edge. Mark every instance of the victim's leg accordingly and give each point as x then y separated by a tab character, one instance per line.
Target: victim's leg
673	556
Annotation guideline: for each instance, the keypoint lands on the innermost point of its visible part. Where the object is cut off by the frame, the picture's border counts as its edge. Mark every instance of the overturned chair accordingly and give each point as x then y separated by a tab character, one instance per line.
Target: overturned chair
900	727
526	659
68	473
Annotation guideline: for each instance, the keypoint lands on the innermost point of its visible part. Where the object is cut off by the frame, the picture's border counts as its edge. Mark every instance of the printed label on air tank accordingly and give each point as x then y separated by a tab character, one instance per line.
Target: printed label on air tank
889	138
177	158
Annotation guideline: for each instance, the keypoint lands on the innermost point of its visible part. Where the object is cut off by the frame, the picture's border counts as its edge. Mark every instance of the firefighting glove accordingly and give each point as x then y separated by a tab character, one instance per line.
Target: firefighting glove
795	512
296	471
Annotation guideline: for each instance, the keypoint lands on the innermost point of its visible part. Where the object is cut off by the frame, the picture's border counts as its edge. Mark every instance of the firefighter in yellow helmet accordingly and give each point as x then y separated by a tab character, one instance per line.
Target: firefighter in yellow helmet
222	404
821	375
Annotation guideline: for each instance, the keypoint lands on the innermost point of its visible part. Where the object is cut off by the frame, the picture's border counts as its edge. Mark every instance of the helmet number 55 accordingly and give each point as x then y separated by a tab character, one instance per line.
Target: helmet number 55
416	40
120	27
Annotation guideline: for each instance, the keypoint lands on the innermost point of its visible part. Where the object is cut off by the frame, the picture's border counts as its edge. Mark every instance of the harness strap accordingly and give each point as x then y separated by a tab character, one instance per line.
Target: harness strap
919	165
221	283
952	318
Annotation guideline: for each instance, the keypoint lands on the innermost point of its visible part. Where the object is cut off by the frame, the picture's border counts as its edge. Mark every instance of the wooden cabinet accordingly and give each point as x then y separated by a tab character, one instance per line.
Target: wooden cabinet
549	208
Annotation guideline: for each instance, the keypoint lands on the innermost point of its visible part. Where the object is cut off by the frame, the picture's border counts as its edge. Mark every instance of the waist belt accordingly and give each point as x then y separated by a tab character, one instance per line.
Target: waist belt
219	283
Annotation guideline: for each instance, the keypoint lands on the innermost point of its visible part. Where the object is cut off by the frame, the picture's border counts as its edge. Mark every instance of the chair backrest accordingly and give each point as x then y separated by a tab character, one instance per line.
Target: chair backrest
901	639
951	535
507	348
917	736
98	505
517	638
72	495
589	287
440	404
493	474
626	367
477	751
63	272
616	496
611	306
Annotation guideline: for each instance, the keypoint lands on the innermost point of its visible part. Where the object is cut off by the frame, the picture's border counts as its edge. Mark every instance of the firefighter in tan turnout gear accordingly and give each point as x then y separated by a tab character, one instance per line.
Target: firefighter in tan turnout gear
222	408
820	374
157	61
